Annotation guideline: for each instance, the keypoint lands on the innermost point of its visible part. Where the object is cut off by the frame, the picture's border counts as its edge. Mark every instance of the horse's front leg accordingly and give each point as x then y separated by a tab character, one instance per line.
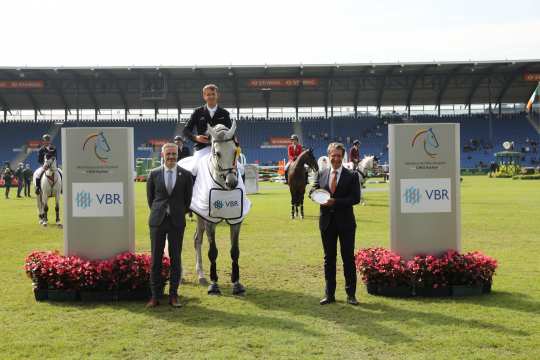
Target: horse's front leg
210	228
45	209
238	288
198	240
57	209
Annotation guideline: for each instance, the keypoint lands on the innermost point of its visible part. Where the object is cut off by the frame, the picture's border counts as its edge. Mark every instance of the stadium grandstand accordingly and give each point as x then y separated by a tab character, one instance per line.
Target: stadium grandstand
320	103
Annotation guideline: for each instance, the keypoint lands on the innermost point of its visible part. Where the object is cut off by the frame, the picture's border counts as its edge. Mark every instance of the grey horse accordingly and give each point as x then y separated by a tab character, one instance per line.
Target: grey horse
223	169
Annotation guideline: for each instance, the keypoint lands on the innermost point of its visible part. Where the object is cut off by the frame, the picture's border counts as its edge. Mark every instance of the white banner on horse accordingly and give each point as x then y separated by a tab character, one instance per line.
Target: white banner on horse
226	204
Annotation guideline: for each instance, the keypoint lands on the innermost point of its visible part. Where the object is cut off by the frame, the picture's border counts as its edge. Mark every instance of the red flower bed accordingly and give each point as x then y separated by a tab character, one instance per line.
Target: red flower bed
126	271
382	267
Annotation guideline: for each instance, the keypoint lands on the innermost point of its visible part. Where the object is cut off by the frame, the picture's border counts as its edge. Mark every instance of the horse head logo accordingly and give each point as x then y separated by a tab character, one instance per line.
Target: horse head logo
101	146
429	140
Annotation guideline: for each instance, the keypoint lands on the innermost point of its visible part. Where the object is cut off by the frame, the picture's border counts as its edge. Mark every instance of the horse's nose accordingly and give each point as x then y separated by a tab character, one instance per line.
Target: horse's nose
231	181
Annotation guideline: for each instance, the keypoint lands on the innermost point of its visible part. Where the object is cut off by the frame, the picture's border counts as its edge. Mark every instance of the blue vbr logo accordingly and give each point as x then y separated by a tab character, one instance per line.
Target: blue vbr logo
83	199
412	195
218	204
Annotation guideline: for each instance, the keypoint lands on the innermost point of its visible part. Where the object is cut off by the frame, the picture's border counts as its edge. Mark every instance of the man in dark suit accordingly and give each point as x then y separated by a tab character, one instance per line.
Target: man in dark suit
337	221
168	189
208	114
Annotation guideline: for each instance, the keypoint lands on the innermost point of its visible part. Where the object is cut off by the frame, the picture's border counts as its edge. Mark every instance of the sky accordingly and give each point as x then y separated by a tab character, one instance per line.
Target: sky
240	32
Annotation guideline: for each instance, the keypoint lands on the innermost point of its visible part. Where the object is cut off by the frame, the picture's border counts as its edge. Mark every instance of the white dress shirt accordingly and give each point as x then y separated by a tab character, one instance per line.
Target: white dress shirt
212	111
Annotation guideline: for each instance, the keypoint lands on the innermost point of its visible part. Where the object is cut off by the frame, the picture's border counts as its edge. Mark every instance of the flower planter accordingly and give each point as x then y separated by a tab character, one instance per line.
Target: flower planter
397	291
372	289
62	295
486	289
467	290
95	296
433	292
41	294
133	295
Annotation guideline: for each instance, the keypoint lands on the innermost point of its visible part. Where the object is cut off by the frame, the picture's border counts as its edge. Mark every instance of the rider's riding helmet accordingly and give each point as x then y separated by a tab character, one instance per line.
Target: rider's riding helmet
294	137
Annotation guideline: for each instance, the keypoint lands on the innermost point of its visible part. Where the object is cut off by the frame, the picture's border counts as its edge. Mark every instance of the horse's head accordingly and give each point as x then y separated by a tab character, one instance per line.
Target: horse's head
50	162
224	154
311	161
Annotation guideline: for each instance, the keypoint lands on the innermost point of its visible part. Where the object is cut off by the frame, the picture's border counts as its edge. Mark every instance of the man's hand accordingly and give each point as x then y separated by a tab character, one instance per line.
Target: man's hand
202	139
329	202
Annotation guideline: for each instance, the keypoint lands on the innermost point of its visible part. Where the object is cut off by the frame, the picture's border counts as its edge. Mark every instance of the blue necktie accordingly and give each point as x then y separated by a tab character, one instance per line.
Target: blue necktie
169	181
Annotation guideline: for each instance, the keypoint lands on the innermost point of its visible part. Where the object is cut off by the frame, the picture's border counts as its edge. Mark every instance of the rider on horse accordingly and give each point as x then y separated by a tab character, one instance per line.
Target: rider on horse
46	150
294	150
354	154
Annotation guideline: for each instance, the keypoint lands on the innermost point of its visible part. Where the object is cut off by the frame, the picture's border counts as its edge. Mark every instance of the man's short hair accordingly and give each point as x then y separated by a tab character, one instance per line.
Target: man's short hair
211	87
169	145
336	145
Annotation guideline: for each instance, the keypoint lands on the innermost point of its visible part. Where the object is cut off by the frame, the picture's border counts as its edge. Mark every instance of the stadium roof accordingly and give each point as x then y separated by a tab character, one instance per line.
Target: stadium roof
373	84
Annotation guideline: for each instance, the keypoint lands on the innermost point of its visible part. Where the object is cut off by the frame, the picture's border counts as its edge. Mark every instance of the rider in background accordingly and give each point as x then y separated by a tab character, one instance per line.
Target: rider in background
354	154
47	149
294	150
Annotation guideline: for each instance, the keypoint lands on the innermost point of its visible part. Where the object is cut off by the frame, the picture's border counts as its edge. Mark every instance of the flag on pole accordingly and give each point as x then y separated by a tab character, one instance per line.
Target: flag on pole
533	97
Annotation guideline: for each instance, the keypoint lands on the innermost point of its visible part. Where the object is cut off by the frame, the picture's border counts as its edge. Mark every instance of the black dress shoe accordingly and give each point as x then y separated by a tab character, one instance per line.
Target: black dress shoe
352	300
327	300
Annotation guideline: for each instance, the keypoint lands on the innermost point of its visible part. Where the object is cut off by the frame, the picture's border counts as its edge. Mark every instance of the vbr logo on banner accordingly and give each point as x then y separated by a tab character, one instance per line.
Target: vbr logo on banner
98	199
425	195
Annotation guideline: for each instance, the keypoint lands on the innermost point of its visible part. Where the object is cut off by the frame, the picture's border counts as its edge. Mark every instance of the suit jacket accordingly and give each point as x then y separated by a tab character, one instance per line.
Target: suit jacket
158	197
347	194
199	121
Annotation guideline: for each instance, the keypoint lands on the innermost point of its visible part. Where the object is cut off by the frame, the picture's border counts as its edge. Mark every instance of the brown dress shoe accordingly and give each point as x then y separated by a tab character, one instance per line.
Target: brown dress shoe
173	301
152	303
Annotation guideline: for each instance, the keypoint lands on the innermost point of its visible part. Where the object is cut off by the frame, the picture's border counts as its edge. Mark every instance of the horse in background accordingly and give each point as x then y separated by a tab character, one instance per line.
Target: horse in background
297	176
51	186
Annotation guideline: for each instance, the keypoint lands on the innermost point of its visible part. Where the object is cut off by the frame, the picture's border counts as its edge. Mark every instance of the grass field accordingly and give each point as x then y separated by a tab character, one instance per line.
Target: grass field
281	266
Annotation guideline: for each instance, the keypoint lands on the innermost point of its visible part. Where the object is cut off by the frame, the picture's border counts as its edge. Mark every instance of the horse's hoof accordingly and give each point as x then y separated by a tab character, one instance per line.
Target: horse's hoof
60	226
213	289
302	217
238	289
203	281
44	224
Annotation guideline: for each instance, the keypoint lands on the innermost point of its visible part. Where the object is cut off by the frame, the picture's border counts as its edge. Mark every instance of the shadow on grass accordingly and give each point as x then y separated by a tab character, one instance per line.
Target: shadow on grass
502	300
366	319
